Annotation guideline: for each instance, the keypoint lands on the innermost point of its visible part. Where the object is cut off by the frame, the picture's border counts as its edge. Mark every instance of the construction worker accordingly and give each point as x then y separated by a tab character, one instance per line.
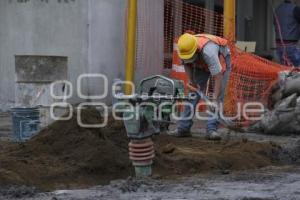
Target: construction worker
200	56
287	27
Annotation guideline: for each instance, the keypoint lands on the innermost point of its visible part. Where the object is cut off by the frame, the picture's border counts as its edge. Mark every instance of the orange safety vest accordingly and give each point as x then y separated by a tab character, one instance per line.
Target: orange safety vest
203	39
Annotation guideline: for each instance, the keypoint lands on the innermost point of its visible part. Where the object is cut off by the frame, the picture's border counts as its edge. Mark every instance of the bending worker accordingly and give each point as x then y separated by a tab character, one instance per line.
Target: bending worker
200	56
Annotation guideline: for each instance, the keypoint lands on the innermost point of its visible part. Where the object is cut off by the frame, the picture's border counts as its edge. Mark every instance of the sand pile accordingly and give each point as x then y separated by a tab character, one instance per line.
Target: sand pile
64	155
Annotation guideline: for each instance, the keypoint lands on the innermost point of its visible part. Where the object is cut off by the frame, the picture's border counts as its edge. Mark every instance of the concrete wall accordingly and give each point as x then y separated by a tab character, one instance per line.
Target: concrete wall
263	28
255	23
107	21
91	33
39	27
244	17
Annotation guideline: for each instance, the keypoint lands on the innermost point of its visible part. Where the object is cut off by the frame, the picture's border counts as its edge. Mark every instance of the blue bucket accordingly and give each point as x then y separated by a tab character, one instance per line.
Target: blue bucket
26	123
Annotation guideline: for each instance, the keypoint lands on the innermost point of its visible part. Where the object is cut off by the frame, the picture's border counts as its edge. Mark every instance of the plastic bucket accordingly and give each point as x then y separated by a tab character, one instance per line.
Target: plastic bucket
26	123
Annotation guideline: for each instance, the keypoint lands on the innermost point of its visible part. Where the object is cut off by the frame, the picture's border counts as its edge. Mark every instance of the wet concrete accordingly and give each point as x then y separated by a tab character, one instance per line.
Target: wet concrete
266	184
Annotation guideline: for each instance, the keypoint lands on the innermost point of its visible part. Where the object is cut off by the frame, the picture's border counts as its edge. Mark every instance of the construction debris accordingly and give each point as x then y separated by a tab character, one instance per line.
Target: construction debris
284	117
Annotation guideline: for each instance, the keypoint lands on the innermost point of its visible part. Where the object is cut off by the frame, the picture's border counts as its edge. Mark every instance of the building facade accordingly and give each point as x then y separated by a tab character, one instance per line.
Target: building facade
90	33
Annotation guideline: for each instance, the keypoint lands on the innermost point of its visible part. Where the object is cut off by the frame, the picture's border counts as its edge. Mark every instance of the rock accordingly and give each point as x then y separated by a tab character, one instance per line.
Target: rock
284	119
291	86
225	172
288	102
169	148
277	96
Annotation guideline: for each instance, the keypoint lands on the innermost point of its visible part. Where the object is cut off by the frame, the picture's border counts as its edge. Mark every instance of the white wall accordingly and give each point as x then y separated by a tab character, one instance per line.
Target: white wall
91	33
107	41
41	28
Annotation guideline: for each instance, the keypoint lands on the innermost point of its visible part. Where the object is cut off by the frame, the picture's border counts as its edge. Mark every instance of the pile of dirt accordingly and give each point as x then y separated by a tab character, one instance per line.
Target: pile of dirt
197	155
65	155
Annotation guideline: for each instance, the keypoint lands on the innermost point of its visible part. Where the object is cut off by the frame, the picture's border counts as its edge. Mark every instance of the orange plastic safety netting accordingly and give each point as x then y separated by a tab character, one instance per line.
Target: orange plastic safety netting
180	16
251	78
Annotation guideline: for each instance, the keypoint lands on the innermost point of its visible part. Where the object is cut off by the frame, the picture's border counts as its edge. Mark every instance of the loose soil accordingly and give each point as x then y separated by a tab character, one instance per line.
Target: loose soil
65	156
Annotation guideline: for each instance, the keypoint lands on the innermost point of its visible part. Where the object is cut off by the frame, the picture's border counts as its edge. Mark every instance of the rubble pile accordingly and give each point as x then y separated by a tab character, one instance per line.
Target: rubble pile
284	116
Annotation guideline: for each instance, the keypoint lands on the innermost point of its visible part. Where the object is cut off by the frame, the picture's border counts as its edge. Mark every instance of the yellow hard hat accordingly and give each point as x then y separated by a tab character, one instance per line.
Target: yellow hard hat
187	46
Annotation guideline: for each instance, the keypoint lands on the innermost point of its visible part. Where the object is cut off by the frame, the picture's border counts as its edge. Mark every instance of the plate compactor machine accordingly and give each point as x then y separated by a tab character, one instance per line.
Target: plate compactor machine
148	113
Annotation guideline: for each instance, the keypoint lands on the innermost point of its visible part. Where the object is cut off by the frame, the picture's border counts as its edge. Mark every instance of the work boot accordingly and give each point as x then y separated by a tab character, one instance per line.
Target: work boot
179	133
213	135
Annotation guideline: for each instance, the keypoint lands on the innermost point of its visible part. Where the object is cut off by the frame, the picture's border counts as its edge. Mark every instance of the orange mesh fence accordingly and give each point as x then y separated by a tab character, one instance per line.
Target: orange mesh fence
250	81
180	16
252	77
